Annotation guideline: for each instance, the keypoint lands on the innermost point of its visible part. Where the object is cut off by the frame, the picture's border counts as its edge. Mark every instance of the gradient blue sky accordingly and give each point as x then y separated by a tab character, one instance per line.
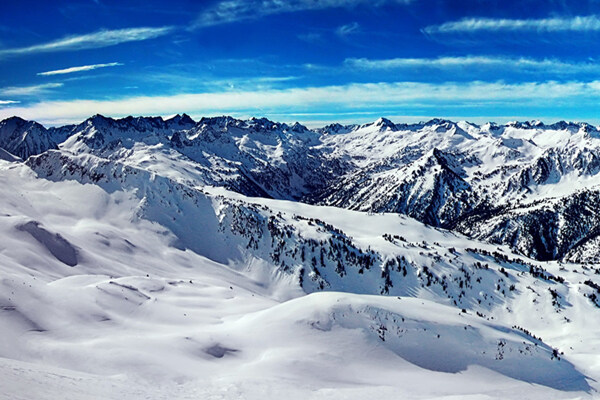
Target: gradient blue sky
307	60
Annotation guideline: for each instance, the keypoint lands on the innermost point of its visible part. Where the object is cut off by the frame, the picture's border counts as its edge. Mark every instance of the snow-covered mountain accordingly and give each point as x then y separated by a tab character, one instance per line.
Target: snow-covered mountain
146	257
24	138
464	176
487	181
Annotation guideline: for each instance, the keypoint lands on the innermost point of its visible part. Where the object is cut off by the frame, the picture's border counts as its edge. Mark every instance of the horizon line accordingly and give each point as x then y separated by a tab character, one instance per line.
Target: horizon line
315	124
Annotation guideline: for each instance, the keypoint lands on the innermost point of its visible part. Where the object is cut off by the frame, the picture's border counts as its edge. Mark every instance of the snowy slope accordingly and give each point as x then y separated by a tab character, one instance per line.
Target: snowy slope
95	283
136	263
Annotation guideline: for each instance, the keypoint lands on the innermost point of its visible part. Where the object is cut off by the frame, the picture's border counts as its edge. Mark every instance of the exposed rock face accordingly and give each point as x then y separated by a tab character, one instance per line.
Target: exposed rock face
24	138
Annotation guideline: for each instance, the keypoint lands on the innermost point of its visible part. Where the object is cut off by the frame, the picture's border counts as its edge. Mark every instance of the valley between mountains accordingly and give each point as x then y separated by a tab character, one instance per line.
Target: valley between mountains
222	258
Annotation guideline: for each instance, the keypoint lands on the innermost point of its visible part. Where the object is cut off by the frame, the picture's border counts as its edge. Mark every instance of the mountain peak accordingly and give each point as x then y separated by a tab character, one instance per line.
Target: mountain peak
381	123
20	123
24	138
566	125
181	119
186	118
263	123
438	121
384	122
336	128
527	124
220	121
298	127
98	119
14	118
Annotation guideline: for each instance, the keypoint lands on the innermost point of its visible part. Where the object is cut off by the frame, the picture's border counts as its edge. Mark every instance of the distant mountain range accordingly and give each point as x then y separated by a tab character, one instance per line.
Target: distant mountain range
498	183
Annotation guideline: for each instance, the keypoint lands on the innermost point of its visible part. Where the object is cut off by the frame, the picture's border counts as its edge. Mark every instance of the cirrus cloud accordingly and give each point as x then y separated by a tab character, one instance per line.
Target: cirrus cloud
95	40
29	90
515	64
71	70
589	23
227	11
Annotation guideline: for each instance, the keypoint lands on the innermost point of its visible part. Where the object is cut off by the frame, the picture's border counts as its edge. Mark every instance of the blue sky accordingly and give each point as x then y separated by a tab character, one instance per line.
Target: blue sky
314	61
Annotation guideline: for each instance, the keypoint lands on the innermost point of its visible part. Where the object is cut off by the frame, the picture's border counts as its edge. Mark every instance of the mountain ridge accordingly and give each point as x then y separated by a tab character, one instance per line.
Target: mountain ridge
440	172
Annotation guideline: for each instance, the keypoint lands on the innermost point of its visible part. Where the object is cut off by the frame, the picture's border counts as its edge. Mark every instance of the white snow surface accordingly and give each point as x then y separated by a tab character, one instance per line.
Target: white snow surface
95	302
127	270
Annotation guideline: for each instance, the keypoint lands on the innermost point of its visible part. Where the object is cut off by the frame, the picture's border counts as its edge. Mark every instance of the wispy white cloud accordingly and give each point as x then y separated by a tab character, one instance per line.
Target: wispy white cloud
94	40
589	23
78	69
228	11
28	90
505	63
343	98
347	29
